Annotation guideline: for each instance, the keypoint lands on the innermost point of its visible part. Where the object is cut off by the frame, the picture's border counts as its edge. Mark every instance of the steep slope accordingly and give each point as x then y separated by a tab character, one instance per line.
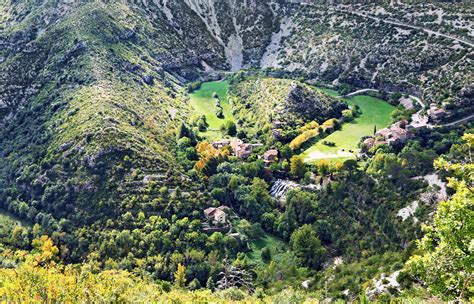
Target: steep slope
90	118
91	98
361	46
260	102
241	29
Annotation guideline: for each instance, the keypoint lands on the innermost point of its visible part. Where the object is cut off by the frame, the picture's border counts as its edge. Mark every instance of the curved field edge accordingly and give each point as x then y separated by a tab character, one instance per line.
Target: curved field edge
375	113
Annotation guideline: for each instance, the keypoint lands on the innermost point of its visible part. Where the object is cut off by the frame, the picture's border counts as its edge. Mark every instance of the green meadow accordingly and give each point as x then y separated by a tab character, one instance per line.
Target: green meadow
203	104
375	112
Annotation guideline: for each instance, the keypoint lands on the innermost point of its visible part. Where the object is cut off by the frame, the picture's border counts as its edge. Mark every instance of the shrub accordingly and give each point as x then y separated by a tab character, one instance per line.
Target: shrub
348	115
302	138
231	128
329	143
266	254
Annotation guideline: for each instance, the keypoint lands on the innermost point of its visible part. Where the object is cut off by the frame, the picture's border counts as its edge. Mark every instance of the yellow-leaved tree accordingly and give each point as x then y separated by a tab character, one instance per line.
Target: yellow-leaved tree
446	262
180	276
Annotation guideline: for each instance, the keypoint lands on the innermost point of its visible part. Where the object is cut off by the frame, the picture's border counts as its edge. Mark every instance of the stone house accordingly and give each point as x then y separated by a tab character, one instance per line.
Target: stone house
216	215
241	149
398	133
435	113
221	143
270	156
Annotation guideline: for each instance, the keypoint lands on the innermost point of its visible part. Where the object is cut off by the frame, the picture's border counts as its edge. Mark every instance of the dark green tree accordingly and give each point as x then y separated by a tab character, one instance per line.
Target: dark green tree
266	254
307	246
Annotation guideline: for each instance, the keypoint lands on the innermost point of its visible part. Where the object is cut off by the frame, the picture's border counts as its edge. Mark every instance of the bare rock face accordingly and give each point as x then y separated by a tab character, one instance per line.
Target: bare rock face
239	30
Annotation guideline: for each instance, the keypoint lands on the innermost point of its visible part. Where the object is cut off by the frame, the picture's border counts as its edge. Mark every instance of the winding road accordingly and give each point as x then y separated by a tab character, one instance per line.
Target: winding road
418	120
463	41
459	121
359	92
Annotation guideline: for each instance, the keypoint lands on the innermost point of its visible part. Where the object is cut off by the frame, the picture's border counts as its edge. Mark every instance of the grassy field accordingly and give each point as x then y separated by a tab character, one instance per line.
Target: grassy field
374	112
330	92
279	249
203	104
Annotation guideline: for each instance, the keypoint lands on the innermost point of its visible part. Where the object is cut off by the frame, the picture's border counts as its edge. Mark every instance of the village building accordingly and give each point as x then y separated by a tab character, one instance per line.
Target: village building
435	113
241	149
383	133
235	143
398	133
216	215
277	124
221	143
270	156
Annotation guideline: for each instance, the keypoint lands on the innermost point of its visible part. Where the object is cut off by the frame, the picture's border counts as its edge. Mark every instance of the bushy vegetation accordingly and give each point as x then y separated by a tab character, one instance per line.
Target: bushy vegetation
266	103
107	165
445	260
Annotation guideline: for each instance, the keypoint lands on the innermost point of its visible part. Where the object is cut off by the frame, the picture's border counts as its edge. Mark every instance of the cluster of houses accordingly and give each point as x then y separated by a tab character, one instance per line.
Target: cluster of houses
243	150
396	134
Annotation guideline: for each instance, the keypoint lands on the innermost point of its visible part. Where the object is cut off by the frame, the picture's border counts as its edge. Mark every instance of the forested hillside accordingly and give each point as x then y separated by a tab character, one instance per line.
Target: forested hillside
126	175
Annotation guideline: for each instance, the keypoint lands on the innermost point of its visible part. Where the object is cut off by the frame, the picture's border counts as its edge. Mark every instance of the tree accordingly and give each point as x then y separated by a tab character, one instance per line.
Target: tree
323	166
233	276
286	152
347	114
297	167
231	128
303	204
375	129
183	131
45	250
446	263
266	254
180	276
210	284
307	246
202	123
194	285
350	165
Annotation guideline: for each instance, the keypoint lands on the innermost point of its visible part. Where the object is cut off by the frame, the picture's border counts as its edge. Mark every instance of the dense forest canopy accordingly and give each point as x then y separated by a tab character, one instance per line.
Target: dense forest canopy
225	151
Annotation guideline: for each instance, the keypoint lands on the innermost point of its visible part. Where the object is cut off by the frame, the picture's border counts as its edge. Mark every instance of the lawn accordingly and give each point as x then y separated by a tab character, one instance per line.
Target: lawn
375	112
279	249
203	104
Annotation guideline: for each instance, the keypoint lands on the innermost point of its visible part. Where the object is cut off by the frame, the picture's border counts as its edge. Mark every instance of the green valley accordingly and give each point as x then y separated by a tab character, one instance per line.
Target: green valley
198	151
